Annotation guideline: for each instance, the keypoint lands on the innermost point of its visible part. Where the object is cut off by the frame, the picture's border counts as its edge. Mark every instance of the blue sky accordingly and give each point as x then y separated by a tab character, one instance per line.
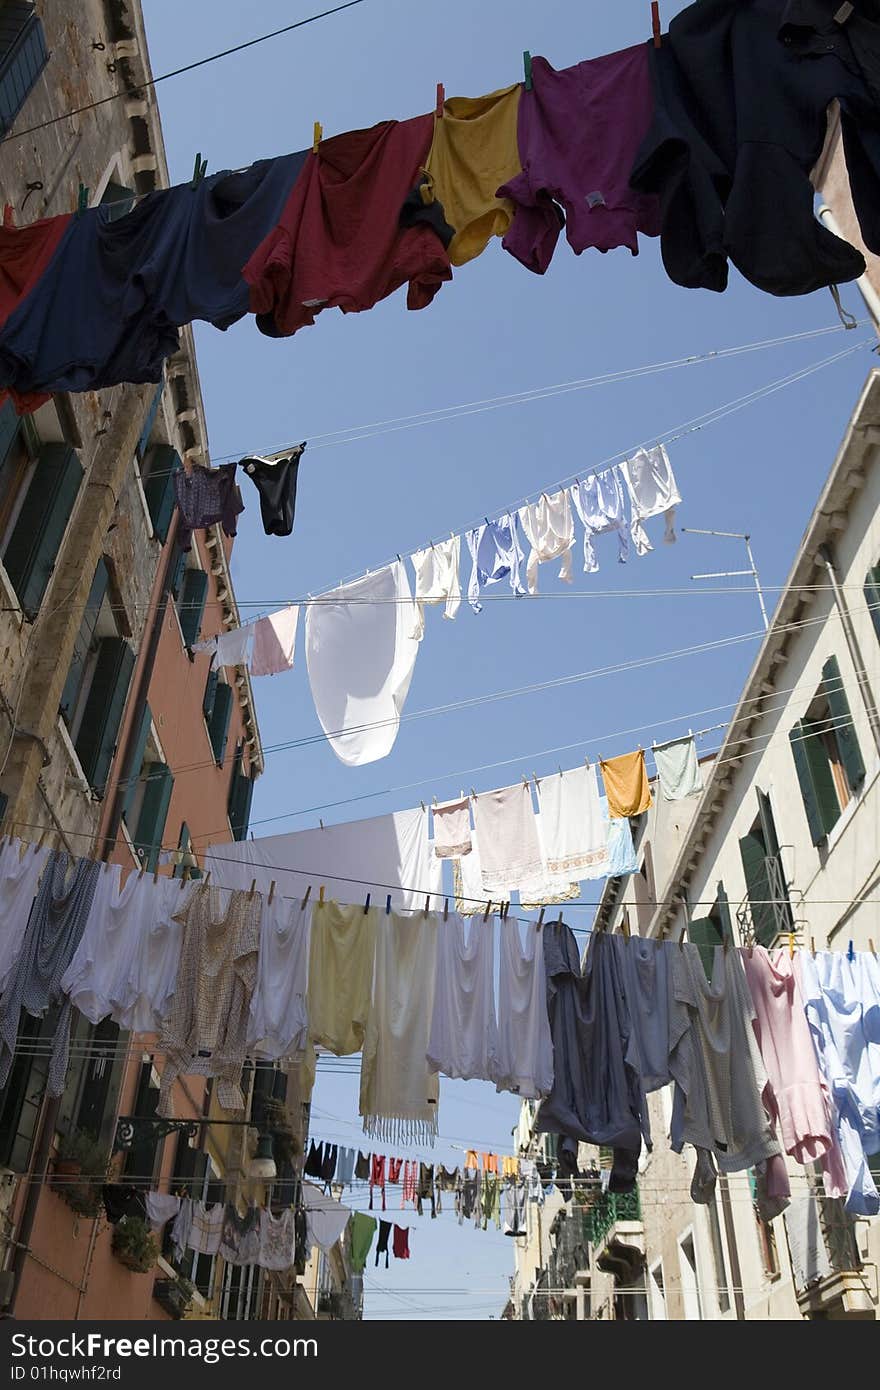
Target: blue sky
495	330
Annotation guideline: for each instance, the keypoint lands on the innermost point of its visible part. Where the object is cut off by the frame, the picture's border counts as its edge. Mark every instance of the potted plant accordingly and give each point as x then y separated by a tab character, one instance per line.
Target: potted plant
134	1244
174	1295
277	1122
79	1171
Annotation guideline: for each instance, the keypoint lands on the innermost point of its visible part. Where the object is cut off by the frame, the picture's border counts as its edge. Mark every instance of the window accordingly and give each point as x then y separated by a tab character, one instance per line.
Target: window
219	717
185	859
141	1159
872	596
722	1284
190	597
241	790
118	199
157	786
657	1292
22	1097
158	466
97	715
713	930
38	488
690	1282
826	754
23	55
766	910
144	441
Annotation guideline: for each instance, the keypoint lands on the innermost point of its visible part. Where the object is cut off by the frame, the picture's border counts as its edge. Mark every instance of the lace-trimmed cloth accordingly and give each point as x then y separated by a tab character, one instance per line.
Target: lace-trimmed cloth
277	1239
205	1033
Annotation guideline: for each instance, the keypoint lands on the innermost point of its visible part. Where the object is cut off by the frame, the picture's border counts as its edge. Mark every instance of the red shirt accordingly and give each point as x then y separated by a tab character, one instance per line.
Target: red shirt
25	253
339	241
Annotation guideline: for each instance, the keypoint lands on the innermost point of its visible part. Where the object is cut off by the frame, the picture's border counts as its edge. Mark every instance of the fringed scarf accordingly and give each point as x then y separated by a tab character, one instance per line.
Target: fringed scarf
399	1096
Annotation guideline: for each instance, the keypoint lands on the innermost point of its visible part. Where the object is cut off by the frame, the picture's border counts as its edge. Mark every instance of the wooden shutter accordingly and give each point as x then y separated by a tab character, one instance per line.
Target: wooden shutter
872	597
753	853
177	574
844	730
210	694
154	813
705	934
218	724
158	479
30	556
9	427
241	791
140	1161
102	715
83	643
149	421
816	781
192	604
23	55
102	1077
137	762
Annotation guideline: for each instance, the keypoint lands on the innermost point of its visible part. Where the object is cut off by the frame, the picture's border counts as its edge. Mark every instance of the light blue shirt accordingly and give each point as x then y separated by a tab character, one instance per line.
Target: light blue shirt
496	554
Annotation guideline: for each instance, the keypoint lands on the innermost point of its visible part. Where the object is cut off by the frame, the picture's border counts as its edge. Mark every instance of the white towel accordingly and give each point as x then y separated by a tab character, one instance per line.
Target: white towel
452	829
274	642
505	824
652	490
549	527
547	888
360	655
467	875
571	816
678	768
437	579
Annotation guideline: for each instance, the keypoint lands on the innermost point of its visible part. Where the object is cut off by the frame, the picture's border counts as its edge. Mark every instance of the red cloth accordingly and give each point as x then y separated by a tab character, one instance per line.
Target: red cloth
400	1243
394	1167
377	1177
339	241
25	253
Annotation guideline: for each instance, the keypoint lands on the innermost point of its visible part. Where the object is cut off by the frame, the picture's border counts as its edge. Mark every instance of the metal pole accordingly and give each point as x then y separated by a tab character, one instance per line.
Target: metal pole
748	540
733	574
868	293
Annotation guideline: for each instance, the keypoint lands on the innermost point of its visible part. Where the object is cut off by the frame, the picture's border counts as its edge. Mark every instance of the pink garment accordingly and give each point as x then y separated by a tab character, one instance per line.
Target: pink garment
274	642
410	1173
795	1096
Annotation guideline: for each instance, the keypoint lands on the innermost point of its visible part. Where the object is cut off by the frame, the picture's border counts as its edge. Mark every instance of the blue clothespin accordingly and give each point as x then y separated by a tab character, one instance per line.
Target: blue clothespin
200	168
388	906
527	70
82	200
850	953
367	905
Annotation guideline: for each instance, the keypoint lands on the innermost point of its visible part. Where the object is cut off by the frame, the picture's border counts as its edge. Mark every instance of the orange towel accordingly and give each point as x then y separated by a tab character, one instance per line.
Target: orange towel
626	784
470	1159
490	1163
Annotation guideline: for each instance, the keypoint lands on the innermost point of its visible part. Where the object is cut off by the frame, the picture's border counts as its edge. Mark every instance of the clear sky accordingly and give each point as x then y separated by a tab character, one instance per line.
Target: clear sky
494	331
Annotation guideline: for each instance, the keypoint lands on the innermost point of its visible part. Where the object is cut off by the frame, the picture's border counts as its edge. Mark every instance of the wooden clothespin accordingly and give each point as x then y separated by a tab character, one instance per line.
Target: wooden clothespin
253	888
427	903
156	874
388	906
82	200
540	922
655	21
445	909
681	938
200	168
527	70
812	945
317	136
441	98
321	896
791	945
624	925
207	879
184	876
41	841
367	905
142	870
488	910
871	947
271	890
559	918
306	896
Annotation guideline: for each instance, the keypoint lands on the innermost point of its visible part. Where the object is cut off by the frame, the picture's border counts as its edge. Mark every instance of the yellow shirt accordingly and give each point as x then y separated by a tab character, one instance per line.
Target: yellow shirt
475	151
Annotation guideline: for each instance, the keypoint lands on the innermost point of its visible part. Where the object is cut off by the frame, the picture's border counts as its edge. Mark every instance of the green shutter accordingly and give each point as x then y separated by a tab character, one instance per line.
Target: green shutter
137	762
154	813
872	597
816	781
9	425
149	421
210	694
158	479
241	791
192	604
83	643
102	715
844	729
30	556
705	933
218	724
177	573
753	853
23	55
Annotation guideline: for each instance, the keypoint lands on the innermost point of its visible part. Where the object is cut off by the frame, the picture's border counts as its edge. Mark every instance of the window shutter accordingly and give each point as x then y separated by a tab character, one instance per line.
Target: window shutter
192	604
177	574
241	791
102	715
210	694
23	55
753	854
872	597
137	762
9	423
816	782
158	479
102	1076
705	934
83	644
140	1161
30	556
218	724
149	421
844	729
154	813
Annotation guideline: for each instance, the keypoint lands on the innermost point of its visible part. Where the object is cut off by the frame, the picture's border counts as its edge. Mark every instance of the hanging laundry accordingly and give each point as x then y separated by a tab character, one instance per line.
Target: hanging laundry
504	822
275	481
345	1167
33	983
400	1242
181	1227
382	1243
108	306
739	123
410	1171
21	868
436	579
278	1239
206	497
622	857
644	966
161	1207
338	240
652	490
395	1168
467	880
678	768
362	1167
398	1094
25	253
578	133
510	1167
490	1201
122	1200
425	1189
206	1227
600	504
514	1208
571	821
549	529
842	1000
360	655
547	887
473	152
315	1160
626	784
467	1198
326	1219
205	1032
152	970
717	1067
343	947
278	1025
240	1236
524	1058
97	978
274	642
496	554
328	1164
488	1163
377	1177
462	1041
363	1229
447	1180
470	1158
452	829
232	648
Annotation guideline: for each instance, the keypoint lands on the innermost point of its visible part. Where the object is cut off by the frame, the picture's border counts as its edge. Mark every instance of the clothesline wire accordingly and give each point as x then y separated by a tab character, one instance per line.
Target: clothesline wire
128	92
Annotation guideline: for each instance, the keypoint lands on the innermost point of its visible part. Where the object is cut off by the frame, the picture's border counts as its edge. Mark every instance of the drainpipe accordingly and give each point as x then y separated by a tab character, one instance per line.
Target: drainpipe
852	643
732	1249
868	293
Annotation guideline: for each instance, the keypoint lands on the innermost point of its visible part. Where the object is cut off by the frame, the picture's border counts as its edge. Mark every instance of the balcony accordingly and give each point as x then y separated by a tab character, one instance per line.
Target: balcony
830	1280
609	1210
761	922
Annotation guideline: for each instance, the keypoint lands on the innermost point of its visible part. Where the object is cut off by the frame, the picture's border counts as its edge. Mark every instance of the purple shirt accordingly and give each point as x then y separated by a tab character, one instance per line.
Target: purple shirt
579	131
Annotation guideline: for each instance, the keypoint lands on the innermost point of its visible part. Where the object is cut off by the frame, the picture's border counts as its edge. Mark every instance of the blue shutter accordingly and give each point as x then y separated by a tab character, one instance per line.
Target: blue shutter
842	723
82	645
158	480
102	715
149	422
137	762
192	604
218	724
30	556
23	55
154	813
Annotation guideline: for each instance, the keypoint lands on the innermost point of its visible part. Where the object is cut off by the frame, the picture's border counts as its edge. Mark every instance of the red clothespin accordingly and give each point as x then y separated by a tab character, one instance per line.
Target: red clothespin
655	21
441	98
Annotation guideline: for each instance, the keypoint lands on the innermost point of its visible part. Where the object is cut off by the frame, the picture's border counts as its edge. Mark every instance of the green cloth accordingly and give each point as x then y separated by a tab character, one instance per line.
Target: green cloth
363	1228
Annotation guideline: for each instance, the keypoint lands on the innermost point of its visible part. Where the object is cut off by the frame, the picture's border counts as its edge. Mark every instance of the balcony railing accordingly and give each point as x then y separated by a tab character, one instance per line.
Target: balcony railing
607	1210
760	923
